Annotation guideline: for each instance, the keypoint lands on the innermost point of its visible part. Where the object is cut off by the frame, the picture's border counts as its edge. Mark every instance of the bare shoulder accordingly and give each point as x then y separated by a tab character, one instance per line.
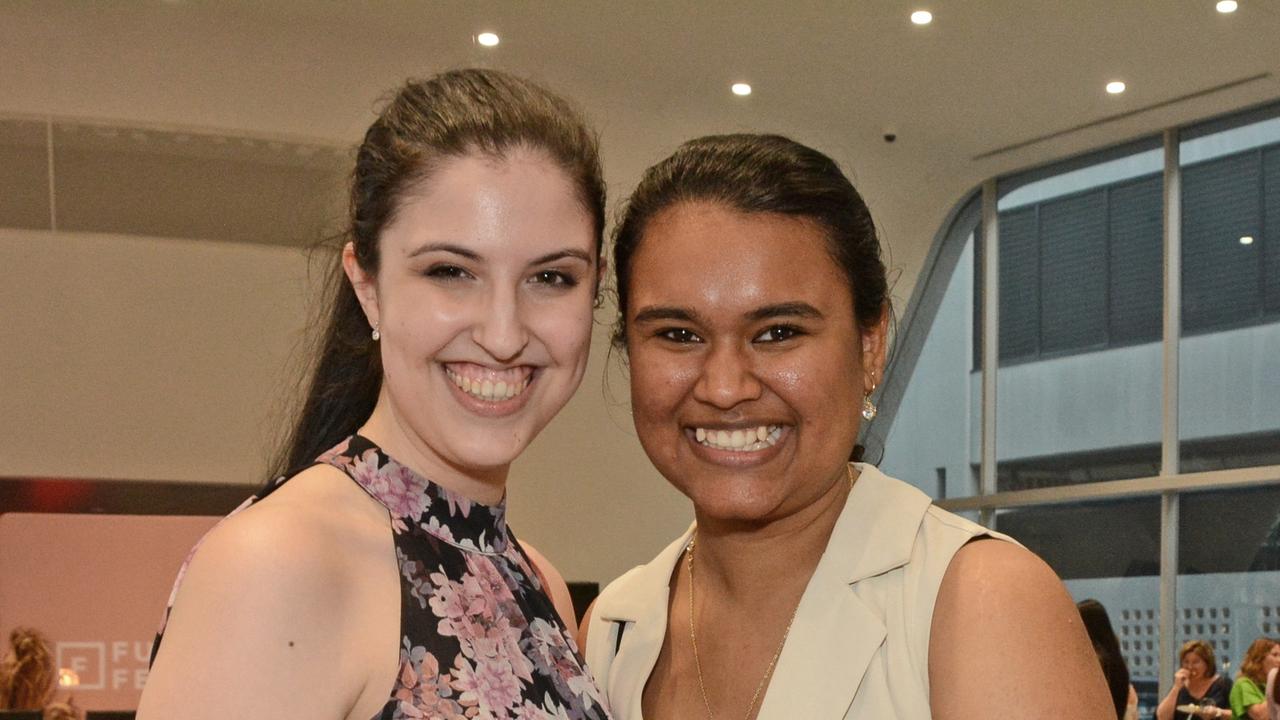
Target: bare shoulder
1004	627
583	627
255	616
555	586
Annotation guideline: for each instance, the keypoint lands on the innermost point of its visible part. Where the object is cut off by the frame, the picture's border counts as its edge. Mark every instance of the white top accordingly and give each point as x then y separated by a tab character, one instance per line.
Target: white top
859	645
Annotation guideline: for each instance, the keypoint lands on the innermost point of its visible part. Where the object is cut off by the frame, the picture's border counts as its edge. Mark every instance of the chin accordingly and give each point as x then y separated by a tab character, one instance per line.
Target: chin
732	504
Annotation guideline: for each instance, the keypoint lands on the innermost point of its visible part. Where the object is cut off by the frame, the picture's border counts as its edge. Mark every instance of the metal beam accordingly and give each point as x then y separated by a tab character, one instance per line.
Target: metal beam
990	248
1170	501
1266	475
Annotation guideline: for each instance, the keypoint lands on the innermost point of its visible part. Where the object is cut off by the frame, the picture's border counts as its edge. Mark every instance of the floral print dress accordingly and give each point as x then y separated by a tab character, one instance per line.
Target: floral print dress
478	636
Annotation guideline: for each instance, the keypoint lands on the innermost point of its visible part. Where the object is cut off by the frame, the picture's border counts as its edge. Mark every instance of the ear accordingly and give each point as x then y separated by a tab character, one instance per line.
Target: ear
875	346
364	285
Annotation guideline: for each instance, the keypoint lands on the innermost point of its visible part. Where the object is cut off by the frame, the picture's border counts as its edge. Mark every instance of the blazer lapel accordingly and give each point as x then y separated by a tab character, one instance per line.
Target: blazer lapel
836	635
643	614
832	641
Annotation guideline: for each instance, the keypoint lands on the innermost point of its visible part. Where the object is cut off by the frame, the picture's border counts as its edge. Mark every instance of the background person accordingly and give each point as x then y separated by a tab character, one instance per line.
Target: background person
1196	682
1248	696
28	676
377	576
753	311
1098	625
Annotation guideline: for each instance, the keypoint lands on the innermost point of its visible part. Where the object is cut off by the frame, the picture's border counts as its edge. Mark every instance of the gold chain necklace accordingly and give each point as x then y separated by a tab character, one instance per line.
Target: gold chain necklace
693	634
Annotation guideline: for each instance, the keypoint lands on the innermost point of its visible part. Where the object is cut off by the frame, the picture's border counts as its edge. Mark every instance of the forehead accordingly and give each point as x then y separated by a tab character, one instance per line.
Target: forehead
719	258
522	200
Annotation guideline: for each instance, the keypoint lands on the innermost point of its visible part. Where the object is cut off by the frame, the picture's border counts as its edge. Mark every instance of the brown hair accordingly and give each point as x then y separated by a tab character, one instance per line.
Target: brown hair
28	677
451	115
1251	666
1204	650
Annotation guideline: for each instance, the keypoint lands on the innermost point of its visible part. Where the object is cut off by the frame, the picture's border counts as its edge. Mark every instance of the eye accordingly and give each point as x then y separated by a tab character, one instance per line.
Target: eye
681	336
447	272
555	278
778	333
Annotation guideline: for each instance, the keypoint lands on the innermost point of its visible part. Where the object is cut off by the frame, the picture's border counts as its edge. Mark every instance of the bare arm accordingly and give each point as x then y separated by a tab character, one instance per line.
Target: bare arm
1164	711
557	589
1005	631
252	631
582	629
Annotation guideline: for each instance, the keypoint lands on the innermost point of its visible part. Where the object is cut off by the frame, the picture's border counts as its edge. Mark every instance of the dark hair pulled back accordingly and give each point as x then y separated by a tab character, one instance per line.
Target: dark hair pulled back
450	115
766	174
760	174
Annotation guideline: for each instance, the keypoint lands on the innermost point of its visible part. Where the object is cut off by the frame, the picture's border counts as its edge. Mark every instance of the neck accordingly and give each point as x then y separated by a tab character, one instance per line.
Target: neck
390	432
746	560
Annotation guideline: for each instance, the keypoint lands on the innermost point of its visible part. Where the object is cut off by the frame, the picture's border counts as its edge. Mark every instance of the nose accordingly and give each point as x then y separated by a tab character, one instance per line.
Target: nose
500	327
727	377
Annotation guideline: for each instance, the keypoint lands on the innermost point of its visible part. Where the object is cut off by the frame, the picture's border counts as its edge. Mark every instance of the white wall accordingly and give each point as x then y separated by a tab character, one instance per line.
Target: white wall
144	358
156	359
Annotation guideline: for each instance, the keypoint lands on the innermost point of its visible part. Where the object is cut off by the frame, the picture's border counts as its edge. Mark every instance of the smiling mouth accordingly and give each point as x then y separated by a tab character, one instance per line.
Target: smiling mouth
752	439
487	384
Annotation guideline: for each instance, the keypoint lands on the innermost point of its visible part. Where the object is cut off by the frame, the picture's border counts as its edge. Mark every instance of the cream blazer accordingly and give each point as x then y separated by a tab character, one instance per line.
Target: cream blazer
859	645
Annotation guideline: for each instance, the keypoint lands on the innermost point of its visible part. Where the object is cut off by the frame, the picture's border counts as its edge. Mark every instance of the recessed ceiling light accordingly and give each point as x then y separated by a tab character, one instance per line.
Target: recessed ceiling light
741	89
1227	6
1115	87
487	39
922	17
1246	240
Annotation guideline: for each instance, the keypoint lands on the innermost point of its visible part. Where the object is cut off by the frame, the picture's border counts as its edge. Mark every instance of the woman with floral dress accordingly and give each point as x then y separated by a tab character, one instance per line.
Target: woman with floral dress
377	577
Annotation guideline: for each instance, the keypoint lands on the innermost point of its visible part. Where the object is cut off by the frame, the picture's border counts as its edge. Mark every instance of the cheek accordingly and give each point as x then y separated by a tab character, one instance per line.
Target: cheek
658	382
566	331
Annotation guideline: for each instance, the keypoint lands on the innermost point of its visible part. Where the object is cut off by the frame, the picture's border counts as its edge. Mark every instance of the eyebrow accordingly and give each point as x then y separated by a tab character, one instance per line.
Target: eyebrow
666	312
444	247
669	313
562	254
789	309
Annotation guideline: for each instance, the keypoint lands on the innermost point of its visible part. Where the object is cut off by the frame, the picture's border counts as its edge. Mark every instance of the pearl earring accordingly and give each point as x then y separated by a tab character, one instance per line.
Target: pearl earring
375	334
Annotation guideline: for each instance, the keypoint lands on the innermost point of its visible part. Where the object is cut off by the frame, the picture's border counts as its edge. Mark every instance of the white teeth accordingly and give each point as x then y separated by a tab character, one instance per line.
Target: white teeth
748	440
488	389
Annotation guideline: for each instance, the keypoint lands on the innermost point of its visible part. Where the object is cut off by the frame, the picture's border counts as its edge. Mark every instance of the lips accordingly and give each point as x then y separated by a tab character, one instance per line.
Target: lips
488	384
748	439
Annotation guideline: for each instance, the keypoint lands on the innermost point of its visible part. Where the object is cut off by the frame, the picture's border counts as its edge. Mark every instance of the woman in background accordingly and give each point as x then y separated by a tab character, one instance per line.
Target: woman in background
753	310
29	677
1098	625
1196	682
1248	698
377	577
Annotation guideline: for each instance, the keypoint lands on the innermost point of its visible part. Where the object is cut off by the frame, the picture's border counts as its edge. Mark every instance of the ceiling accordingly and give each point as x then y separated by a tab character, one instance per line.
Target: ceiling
984	75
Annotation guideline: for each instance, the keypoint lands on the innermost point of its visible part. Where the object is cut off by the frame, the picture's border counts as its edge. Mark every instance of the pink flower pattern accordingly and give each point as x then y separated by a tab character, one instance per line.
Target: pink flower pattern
480	637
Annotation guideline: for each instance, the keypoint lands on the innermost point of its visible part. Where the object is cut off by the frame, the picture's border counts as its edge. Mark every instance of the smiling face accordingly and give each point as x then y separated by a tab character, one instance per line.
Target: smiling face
748	369
483	301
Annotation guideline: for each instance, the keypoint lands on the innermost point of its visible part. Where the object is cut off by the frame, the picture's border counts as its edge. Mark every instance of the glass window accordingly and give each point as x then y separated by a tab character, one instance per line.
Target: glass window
1229	354
941	400
1079	380
1229	570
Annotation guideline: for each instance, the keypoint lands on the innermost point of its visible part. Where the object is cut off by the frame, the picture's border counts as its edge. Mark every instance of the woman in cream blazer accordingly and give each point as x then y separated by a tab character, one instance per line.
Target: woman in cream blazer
753	310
